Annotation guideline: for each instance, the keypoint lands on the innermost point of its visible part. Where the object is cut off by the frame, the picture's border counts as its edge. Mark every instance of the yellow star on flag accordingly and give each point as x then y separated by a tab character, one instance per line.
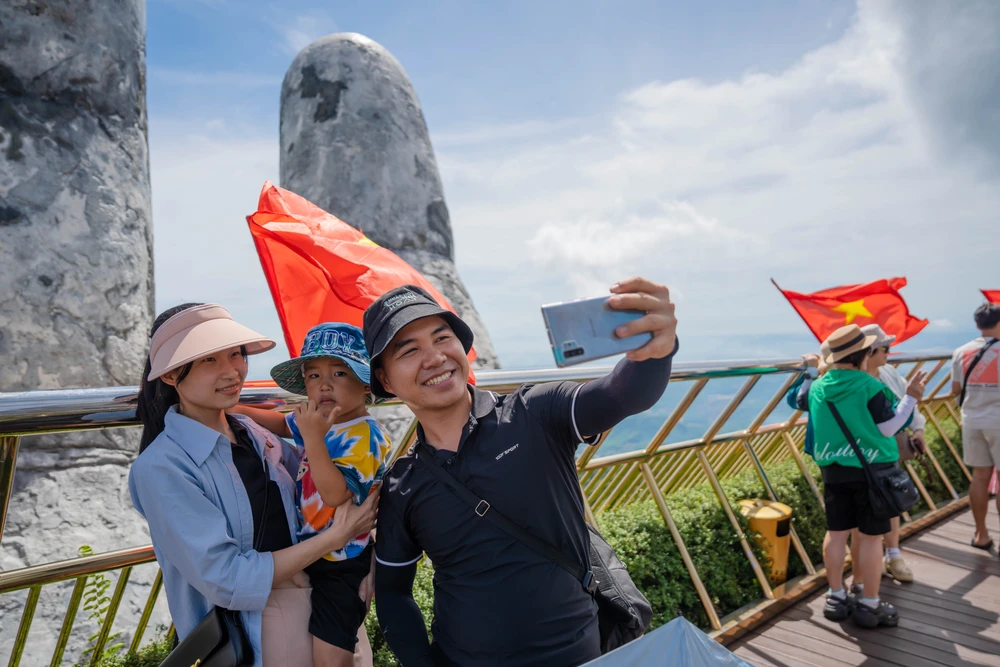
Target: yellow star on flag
364	240
853	309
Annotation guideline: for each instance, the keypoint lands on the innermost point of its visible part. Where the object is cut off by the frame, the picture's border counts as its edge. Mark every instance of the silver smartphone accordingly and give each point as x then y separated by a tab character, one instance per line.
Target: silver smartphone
584	330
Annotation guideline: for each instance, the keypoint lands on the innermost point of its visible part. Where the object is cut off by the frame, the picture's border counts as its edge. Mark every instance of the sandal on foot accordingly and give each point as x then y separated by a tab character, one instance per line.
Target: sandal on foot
984	547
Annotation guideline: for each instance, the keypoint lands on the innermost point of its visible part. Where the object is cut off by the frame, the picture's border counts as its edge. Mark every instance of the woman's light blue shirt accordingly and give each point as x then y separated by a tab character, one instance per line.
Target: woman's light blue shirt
188	489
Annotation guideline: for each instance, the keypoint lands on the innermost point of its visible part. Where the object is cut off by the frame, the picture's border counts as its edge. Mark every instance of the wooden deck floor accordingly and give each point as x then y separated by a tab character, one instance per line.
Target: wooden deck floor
949	616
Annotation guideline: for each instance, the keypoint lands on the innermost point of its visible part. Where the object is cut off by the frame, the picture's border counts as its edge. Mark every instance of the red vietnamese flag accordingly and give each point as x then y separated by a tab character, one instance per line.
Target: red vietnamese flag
877	302
992	295
320	269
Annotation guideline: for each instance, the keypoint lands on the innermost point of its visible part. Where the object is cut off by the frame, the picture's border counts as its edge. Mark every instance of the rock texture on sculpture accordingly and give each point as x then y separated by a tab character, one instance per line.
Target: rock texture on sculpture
354	142
76	277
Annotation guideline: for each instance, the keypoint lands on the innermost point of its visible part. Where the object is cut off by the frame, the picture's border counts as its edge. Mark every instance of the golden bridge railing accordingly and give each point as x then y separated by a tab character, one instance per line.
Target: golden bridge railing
651	472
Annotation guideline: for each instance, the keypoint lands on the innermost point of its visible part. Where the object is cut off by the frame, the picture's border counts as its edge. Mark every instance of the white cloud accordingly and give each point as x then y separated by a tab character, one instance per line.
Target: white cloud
825	173
204	186
600	243
304	29
822	174
949	60
942	324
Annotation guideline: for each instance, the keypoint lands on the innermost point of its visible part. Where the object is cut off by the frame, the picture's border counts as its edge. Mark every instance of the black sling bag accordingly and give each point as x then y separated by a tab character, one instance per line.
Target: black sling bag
890	490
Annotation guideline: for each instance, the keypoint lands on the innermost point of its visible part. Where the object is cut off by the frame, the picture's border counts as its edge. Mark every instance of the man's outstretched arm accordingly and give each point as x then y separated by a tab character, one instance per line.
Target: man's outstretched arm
399	616
632	387
638	381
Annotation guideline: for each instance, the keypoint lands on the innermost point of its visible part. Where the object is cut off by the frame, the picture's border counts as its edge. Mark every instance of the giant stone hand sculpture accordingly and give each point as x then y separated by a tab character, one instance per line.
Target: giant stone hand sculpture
354	142
76	280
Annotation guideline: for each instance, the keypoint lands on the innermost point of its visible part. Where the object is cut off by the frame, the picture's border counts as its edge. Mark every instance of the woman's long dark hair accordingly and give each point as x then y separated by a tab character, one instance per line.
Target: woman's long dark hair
156	397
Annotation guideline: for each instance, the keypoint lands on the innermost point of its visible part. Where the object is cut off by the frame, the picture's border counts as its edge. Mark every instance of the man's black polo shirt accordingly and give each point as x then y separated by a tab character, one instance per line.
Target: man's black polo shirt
495	600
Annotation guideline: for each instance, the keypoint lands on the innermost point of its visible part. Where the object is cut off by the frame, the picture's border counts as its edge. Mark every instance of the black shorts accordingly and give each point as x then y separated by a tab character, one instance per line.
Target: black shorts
337	609
845	493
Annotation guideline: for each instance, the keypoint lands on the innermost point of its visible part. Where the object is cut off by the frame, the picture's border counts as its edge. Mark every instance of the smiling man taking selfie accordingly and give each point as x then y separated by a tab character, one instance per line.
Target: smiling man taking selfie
496	601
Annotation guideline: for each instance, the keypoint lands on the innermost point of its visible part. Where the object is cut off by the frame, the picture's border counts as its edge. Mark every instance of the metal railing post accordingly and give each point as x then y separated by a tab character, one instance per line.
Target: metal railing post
758	571
630	481
610	485
67	624
409	437
608	482
591	450
661	503
938	387
771	405
916	367
947	441
940	472
22	630
801	550
109	618
675	416
794	450
920	487
8	460
147	612
588	514
955	414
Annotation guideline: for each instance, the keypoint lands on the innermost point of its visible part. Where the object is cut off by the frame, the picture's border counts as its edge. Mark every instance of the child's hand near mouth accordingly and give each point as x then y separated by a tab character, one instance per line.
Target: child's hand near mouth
312	424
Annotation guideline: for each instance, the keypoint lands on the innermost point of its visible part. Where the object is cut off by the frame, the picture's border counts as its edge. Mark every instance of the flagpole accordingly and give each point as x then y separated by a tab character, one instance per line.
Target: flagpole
801	317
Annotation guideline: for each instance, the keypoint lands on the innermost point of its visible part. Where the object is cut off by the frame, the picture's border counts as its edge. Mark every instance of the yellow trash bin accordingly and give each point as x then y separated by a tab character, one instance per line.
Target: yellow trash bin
773	521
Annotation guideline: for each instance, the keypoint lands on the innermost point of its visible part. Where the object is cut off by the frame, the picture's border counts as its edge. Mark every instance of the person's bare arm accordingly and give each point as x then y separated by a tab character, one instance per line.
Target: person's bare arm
956	388
269	419
313	426
348	521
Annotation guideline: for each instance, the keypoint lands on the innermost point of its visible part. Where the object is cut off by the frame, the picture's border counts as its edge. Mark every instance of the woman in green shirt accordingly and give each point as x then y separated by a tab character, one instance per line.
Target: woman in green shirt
873	421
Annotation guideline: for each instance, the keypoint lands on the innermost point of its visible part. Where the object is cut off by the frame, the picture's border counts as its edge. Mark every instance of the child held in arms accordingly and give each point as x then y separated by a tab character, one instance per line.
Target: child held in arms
345	454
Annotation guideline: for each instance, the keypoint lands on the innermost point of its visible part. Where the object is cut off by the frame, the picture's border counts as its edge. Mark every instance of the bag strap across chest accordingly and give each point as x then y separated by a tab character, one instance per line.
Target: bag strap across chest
484	510
972	366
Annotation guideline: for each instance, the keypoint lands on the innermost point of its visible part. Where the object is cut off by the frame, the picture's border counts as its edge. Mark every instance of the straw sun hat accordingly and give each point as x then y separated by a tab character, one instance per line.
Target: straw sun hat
824	352
845	341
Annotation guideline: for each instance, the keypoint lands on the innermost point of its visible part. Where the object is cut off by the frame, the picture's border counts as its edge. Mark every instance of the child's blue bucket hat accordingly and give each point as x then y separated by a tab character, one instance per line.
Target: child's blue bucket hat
331	339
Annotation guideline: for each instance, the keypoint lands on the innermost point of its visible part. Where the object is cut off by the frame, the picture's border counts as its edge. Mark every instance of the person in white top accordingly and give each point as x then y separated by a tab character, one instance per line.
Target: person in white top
975	381
886	373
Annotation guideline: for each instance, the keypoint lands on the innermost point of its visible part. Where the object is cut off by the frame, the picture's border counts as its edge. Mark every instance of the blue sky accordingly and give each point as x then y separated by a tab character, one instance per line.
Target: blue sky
474	63
710	146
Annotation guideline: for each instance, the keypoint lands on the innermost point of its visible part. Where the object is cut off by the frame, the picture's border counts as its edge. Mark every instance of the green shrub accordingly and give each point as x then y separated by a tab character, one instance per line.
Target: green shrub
97	602
150	655
640	537
642	540
423	593
928	475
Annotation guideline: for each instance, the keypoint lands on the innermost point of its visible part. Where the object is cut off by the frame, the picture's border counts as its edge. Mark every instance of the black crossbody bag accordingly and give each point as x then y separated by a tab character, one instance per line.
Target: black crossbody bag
890	490
220	639
623	613
968	373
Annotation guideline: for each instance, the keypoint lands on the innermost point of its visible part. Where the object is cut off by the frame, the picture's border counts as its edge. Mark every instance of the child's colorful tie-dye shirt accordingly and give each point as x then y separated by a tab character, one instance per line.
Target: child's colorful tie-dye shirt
359	448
